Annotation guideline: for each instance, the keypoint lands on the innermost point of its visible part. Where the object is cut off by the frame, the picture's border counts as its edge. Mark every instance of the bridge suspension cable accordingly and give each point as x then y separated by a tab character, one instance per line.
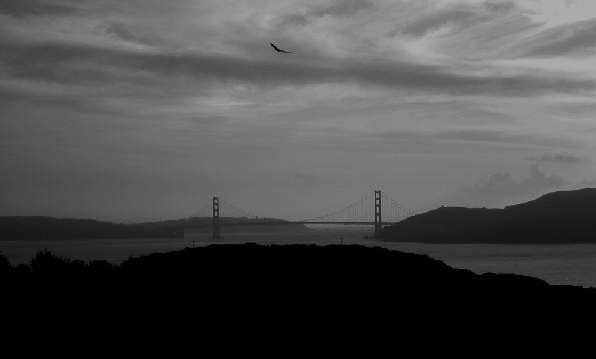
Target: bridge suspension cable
393	210
363	210
354	212
204	211
373	208
360	211
226	209
229	210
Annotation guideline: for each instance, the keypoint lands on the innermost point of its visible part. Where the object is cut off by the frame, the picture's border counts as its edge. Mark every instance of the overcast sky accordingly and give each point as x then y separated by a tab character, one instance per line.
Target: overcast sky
142	109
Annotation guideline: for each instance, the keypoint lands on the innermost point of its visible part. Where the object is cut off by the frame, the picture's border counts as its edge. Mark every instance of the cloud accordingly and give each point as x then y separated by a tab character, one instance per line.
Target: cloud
191	88
474	136
128	33
337	8
81	64
574	38
501	189
21	8
557	158
457	16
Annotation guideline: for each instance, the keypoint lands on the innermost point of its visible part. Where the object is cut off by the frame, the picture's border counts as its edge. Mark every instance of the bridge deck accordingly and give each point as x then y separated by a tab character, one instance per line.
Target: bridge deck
275	223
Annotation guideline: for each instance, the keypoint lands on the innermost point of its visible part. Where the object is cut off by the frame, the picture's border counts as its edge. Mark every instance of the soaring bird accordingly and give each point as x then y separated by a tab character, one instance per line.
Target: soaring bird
279	50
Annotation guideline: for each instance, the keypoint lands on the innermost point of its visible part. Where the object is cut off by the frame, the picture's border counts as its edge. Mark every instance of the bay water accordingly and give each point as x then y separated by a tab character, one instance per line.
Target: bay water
573	264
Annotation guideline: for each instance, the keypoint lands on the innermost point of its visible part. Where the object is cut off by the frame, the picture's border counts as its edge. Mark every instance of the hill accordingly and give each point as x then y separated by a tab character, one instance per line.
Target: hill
48	228
288	283
555	218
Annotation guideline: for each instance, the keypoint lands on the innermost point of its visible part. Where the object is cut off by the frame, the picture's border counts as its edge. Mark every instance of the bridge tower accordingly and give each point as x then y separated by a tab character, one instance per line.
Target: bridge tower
215	218
378	220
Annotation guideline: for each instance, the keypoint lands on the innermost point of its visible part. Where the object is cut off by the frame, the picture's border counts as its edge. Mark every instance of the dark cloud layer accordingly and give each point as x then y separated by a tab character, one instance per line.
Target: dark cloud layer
563	40
476	136
63	63
557	158
37	7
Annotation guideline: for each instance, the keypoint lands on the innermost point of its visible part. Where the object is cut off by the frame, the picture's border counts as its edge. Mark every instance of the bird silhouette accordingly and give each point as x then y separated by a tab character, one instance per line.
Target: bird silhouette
279	50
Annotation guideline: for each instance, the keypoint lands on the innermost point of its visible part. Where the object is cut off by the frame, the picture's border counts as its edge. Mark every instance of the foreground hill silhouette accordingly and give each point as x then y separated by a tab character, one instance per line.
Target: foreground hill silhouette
271	293
555	218
307	274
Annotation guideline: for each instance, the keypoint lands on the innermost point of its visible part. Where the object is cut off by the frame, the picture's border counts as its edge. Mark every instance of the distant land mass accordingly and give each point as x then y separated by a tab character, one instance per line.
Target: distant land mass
229	225
48	228
556	218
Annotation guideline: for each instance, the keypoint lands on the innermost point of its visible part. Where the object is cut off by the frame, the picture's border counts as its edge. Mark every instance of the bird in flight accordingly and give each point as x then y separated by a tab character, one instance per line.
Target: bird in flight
279	50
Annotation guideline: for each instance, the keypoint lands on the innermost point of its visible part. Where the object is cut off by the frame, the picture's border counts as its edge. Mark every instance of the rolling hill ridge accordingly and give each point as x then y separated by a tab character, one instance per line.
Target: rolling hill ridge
555	218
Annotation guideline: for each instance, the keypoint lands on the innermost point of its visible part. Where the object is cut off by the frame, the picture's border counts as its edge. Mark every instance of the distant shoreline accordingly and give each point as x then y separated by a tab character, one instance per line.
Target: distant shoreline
49	228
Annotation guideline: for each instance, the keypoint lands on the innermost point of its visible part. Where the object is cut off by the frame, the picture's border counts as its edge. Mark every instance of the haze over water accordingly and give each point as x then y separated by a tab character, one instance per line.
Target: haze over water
557	264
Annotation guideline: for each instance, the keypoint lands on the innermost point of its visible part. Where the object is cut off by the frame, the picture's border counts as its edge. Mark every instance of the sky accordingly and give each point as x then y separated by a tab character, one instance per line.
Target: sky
130	110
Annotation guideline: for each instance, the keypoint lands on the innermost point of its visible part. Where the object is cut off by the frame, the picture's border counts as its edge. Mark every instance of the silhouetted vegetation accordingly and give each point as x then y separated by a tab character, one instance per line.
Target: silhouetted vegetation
294	272
559	217
4	263
302	288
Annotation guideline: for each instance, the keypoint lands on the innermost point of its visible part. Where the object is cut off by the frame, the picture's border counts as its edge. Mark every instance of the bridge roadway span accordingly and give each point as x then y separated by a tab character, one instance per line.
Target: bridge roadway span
271	223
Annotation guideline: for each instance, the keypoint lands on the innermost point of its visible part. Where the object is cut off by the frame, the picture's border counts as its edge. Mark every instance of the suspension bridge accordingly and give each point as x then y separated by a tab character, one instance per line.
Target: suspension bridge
375	209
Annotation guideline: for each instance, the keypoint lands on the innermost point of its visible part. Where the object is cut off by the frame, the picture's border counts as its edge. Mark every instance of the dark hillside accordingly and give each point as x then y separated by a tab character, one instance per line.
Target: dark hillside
293	291
559	217
48	228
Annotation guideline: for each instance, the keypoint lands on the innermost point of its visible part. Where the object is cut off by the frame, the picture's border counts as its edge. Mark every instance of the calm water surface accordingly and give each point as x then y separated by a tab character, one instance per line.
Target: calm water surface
557	264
